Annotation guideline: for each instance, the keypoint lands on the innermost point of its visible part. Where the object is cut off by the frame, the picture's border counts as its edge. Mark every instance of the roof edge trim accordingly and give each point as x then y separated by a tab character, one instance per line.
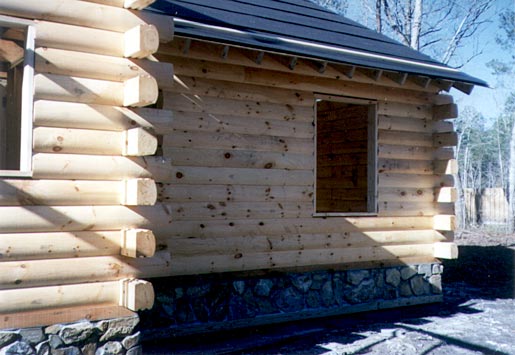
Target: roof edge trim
312	45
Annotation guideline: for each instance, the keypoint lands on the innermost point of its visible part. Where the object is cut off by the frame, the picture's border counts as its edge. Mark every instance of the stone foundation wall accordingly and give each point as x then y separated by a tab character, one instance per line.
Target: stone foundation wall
106	337
200	303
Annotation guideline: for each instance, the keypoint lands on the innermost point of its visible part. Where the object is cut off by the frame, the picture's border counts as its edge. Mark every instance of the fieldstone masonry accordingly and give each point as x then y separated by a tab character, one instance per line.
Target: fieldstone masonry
218	301
210	302
107	337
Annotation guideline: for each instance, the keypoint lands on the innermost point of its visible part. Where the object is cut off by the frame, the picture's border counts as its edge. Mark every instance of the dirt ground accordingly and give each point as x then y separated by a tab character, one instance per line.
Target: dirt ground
476	317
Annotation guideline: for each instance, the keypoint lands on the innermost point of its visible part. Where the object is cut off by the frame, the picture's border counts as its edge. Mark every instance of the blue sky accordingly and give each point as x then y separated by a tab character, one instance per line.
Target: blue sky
487	101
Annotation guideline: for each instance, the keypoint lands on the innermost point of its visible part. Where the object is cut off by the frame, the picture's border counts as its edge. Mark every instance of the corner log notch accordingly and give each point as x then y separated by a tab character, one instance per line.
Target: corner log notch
93	73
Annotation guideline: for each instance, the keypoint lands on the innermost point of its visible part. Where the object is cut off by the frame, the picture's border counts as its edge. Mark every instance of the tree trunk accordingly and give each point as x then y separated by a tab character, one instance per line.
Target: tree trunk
511	181
379	22
416	25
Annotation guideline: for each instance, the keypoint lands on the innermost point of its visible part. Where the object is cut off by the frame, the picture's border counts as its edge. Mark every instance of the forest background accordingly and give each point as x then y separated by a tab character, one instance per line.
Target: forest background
478	37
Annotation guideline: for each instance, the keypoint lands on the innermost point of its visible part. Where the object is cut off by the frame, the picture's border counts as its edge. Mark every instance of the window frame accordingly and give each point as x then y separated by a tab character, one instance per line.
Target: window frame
372	148
27	97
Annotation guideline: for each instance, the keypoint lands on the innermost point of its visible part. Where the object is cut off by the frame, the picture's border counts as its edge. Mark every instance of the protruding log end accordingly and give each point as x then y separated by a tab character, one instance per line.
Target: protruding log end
140	91
444	222
141	41
442	112
139	192
139	142
136	294
138	242
445	250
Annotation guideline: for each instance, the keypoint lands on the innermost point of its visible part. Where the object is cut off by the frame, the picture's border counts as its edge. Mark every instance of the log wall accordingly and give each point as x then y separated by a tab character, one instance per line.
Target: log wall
70	241
216	176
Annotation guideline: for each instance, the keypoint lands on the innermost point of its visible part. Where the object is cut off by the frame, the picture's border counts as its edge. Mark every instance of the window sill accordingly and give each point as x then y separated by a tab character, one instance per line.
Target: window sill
15	173
345	214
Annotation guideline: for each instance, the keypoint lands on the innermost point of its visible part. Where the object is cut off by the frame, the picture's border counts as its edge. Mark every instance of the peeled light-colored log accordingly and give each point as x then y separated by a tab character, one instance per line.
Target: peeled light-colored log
444	222
139	142
102	67
101	117
127	4
138	242
90	167
81	39
449	167
445	250
59	296
448	139
141	41
138	91
139	192
35	273
136	294
446	194
201	264
132	192
88	14
130	293
133	142
80	218
58	245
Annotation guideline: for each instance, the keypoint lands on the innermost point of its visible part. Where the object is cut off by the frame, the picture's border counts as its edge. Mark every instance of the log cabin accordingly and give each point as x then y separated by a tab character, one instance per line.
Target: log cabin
199	165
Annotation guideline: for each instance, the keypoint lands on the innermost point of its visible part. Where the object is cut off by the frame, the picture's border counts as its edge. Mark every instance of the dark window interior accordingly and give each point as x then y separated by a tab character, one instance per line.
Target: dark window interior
345	168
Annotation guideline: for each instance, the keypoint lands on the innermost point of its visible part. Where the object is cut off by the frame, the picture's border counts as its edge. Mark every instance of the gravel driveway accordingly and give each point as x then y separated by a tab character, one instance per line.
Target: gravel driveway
477	317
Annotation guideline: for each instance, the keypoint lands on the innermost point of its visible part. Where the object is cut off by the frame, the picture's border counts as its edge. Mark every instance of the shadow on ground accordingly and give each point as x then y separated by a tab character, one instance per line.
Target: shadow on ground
478	287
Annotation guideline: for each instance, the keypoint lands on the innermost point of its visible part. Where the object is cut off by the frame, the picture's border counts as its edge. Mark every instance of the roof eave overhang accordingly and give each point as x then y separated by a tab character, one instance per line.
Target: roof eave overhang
266	42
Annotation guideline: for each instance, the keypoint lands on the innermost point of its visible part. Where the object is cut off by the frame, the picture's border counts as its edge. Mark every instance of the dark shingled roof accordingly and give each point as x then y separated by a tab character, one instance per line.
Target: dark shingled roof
301	28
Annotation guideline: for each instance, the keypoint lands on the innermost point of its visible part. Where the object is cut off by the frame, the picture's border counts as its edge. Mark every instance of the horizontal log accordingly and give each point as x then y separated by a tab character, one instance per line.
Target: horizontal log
62	315
137	91
102	67
233	141
240	56
285	80
100	117
443	99
414	180
35	273
405	138
400	109
399	194
127	4
405	166
291	226
95	167
235	193
79	294
15	192
133	142
240	91
262	244
88	14
227	123
231	158
404	124
78	38
395	151
58	245
214	106
393	209
238	210
252	261
80	218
